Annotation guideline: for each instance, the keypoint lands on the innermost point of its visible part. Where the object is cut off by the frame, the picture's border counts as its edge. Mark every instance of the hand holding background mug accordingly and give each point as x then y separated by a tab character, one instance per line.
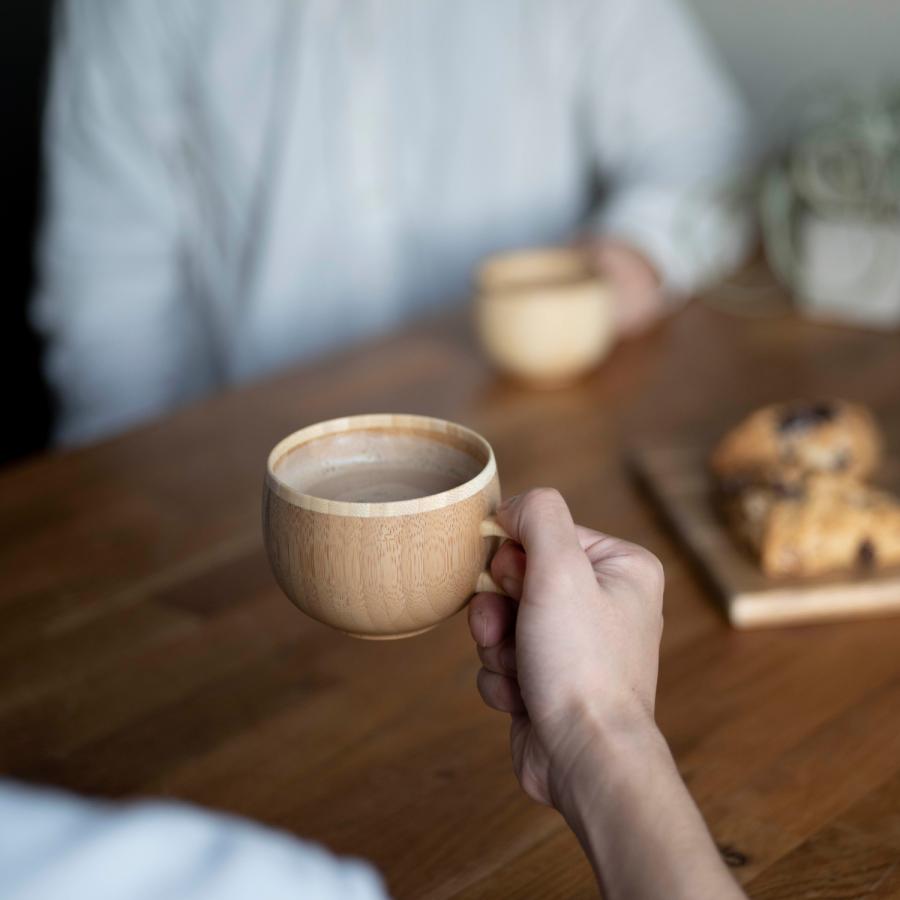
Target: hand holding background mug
549	315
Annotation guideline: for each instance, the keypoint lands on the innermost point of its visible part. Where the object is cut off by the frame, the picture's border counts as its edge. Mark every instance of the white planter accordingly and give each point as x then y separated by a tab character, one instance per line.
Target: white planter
849	270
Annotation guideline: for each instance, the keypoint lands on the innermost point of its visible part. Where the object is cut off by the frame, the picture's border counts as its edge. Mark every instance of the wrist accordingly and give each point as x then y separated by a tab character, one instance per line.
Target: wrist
599	751
623	798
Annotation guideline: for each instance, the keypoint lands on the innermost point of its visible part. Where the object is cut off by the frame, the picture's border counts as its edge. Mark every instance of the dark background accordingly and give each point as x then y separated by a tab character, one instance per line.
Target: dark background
24	51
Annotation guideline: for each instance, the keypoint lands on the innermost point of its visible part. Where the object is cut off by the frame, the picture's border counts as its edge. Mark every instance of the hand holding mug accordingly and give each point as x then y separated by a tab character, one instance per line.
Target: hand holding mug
576	642
572	655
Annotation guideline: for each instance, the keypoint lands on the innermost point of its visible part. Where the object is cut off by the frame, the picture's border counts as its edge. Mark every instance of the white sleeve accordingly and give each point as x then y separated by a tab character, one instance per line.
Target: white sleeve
671	139
111	300
55	846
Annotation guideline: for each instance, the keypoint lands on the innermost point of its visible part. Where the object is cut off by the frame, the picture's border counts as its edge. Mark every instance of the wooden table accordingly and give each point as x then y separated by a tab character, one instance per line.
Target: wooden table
145	648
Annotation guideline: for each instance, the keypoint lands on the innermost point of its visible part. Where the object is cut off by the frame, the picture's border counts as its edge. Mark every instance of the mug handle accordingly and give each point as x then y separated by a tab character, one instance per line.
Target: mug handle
491	528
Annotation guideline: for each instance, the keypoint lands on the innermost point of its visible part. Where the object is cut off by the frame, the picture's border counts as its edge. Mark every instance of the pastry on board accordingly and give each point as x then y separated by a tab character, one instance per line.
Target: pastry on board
818	525
791	480
785	442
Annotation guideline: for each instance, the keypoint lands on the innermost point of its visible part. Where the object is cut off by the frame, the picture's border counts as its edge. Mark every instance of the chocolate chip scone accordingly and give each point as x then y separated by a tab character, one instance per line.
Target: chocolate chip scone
785	442
819	525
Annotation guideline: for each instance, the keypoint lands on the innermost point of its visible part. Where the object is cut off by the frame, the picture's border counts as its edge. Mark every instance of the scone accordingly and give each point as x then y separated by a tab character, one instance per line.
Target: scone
822	524
787	441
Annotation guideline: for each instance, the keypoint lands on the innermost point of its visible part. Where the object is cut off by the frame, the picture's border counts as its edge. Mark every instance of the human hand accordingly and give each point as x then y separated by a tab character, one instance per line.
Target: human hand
575	651
638	299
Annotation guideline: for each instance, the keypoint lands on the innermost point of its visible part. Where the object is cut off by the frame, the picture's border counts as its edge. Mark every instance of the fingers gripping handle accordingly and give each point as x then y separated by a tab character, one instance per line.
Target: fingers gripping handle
490	528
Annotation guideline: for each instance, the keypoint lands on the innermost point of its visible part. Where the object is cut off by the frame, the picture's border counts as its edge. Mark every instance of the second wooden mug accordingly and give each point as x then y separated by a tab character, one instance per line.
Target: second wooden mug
543	316
352	552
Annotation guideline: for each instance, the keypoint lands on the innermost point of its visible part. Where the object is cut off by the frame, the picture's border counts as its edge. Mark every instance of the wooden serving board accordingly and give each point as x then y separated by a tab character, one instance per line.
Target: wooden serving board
678	480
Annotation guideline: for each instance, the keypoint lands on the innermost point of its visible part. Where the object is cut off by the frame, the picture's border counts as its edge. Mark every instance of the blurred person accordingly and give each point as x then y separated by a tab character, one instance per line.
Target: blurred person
572	654
234	186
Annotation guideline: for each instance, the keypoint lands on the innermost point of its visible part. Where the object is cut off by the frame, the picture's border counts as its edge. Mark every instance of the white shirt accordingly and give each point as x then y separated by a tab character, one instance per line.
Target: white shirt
235	185
54	846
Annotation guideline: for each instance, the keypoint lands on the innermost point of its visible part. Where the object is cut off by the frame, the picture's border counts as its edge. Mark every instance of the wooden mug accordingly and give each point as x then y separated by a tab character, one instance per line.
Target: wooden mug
382	570
543	316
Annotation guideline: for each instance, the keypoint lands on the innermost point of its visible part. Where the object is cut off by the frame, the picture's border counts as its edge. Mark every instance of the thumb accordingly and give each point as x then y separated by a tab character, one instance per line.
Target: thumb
541	522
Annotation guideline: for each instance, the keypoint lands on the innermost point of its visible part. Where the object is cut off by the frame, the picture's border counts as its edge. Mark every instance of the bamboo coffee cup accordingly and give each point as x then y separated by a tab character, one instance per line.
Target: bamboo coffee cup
543	316
373	567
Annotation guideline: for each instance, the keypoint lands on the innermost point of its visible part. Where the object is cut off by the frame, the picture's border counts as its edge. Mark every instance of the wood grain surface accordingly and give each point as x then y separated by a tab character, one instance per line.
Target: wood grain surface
146	649
679	479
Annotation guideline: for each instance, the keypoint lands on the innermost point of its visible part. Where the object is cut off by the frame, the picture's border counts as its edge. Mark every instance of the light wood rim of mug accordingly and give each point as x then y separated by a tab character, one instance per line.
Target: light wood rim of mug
394	508
588	291
532	267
